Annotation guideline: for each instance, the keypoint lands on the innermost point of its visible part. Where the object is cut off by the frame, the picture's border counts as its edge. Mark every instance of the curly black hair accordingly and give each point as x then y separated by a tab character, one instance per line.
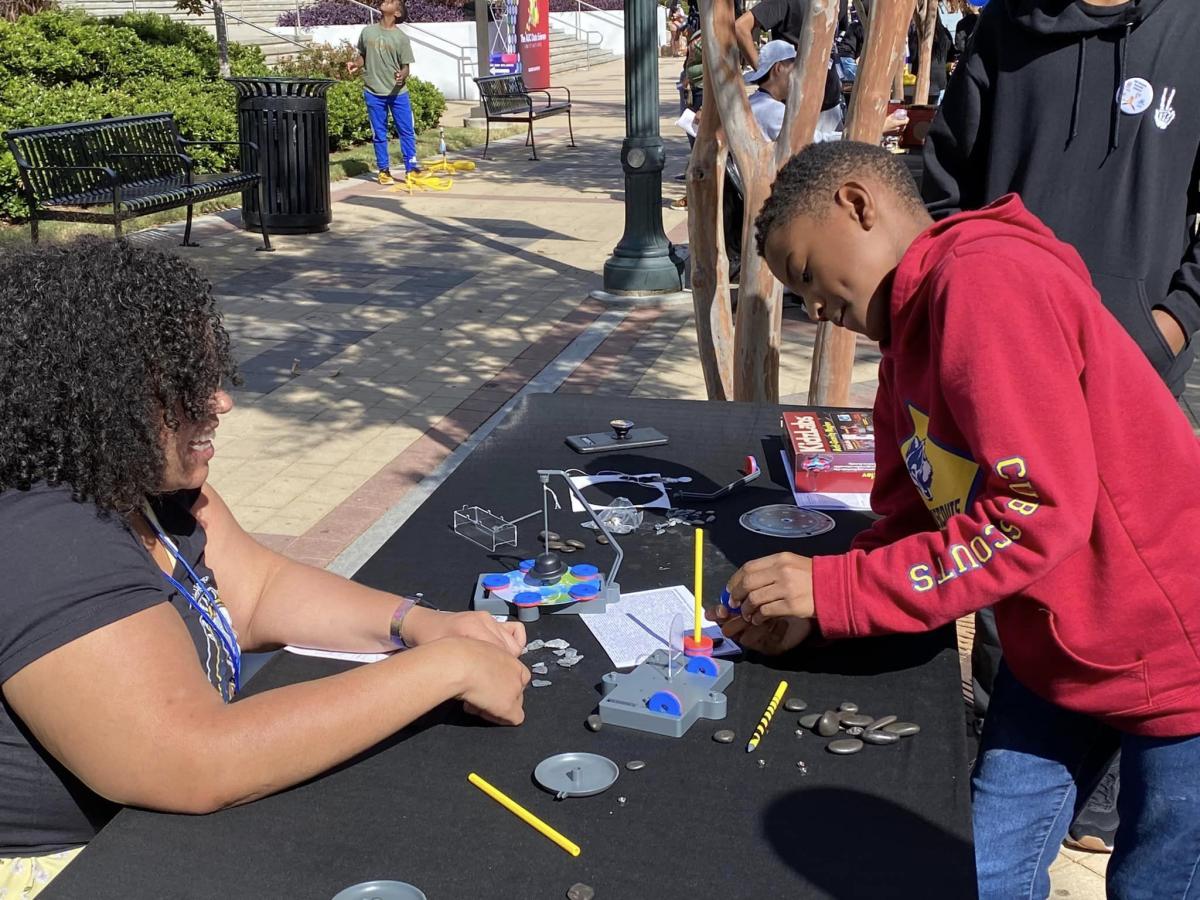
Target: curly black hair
102	344
807	182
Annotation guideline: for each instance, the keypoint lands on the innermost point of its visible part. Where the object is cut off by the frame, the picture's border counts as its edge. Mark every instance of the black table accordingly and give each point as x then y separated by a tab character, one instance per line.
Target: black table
701	820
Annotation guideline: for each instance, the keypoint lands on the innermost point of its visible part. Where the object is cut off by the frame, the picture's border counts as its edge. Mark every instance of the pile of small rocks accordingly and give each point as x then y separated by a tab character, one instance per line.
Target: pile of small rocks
567	655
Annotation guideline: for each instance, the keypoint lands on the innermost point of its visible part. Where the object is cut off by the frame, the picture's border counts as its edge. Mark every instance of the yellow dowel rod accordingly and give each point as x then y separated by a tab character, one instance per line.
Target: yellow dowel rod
524	815
699	591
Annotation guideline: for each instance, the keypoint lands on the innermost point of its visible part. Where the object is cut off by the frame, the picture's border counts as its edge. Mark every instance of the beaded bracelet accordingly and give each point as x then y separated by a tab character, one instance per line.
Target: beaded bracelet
406	604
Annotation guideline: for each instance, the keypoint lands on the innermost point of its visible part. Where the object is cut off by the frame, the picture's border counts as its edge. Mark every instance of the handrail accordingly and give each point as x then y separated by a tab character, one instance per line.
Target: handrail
613	20
274	34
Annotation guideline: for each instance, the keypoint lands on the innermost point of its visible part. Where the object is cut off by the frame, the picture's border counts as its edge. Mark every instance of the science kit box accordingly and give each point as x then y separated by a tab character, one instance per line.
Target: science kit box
831	451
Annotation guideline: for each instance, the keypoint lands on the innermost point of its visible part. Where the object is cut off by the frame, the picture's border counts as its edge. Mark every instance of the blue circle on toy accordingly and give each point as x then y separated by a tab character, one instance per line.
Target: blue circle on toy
583	570
583	591
525	565
493	582
701	665
725	599
527	598
665	702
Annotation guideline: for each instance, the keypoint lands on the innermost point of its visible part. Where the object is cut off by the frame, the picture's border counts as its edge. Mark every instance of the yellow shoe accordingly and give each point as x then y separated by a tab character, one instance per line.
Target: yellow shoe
385	177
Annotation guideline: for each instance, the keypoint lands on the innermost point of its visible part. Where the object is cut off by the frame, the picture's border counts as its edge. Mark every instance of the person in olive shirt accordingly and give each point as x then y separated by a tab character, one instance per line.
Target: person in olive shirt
384	56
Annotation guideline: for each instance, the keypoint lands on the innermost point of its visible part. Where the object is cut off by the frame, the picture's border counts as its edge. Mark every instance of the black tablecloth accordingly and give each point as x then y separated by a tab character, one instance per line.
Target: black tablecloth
700	820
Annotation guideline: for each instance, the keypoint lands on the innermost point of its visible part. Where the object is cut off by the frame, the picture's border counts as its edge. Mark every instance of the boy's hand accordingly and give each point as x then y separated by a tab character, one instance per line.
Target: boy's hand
1171	331
773	587
401	77
772	638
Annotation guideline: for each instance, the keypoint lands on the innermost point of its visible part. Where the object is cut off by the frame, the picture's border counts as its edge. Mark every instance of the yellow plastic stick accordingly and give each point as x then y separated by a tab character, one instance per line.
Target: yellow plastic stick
699	591
765	722
523	814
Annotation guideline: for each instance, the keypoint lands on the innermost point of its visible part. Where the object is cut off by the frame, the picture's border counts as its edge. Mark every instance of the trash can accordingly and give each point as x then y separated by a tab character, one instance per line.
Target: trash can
287	118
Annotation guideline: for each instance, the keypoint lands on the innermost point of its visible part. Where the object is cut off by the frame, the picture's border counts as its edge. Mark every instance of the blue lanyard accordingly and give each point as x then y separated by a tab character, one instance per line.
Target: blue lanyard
222	630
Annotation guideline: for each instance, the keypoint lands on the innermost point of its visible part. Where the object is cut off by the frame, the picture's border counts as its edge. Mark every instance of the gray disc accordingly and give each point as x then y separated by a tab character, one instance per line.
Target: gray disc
785	521
576	774
380	890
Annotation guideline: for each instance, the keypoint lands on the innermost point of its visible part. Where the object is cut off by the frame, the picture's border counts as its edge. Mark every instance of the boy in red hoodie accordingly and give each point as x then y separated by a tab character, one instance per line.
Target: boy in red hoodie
1029	458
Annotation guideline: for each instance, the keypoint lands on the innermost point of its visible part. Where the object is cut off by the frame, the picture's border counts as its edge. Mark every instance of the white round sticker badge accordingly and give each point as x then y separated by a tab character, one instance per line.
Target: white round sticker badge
1136	96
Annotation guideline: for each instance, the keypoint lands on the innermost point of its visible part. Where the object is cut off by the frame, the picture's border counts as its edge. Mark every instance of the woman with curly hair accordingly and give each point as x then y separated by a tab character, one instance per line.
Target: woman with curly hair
129	591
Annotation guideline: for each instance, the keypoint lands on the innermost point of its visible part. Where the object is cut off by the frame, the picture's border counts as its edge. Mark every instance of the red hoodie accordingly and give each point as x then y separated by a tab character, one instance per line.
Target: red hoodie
1029	457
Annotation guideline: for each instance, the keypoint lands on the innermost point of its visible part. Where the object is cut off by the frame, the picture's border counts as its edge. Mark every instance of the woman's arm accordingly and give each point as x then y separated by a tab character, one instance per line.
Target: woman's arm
128	710
275	600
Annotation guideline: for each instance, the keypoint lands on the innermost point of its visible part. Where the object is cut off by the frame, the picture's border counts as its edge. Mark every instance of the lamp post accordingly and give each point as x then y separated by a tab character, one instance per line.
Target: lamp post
642	263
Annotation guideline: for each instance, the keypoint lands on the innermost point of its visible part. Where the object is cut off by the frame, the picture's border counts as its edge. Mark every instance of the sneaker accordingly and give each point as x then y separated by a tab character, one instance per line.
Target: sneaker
1096	825
385	177
681	203
416	170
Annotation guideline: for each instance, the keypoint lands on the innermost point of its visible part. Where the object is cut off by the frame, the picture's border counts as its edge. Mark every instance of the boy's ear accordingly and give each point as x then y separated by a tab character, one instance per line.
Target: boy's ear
855	199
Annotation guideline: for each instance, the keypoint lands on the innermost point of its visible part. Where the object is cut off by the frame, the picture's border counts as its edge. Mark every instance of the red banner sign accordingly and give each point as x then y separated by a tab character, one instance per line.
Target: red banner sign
533	35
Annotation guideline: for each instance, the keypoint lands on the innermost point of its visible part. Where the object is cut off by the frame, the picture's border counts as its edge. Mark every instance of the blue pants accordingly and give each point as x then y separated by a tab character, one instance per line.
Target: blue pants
1037	763
377	111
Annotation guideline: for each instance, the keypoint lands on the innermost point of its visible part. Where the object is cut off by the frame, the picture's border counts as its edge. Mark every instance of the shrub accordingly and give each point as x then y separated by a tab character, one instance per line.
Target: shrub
325	12
319	61
428	104
560	6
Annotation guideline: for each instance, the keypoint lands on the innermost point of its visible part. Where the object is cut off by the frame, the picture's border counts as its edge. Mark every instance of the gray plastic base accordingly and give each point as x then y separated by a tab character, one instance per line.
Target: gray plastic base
700	697
610	592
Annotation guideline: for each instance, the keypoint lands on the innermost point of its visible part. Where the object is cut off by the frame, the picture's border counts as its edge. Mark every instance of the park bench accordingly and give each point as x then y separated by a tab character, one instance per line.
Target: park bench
506	99
131	165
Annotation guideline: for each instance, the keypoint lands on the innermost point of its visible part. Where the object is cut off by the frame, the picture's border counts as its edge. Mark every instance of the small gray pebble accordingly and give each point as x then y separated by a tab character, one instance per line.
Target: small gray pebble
534	645
800	765
879	737
848	706
762	763
858	720
902	729
564	548
845	746
601	539
828	724
635	765
556	644
810	721
794	704
567	661
593	722
708	520
538	669
620	801
580	891
854	730
576	543
549	536
799	732
724	736
880	722
537	682
561	652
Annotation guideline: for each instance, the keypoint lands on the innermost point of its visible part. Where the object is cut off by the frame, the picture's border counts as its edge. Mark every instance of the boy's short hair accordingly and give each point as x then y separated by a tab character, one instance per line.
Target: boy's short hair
807	182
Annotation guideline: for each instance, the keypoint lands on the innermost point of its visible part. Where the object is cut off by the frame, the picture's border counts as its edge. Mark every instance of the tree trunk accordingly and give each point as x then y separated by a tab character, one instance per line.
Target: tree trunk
928	15
223	37
833	354
709	263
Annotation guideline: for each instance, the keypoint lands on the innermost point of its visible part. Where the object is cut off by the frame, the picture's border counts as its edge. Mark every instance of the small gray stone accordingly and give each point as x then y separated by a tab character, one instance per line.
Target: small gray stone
563	548
810	721
620	801
567	661
848	706
879	737
794	704
708	520
902	729
537	682
556	644
799	732
854	730
853	720
724	736
880	722
635	765
576	543
593	722
580	891
561	652
800	765
845	746
762	763
549	536
538	669
828	724
601	539
534	645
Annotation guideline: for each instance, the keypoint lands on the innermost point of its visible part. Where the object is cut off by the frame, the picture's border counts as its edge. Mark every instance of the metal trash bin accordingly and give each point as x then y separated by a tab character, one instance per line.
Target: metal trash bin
287	118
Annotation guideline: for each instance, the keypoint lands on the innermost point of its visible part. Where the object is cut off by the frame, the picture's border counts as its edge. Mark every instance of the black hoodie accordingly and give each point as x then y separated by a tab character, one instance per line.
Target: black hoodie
1033	108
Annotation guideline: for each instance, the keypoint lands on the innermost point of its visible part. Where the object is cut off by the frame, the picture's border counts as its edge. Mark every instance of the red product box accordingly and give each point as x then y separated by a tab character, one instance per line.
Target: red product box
832	451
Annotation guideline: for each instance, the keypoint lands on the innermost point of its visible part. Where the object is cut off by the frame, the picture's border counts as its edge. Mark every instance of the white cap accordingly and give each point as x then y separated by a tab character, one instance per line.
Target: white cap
772	52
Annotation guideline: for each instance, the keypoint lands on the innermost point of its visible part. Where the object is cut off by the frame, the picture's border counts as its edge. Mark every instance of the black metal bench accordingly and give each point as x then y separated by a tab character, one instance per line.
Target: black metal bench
506	99
134	165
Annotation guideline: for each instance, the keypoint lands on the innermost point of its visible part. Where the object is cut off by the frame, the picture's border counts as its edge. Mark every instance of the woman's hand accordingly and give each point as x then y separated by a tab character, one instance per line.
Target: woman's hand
422	626
494	681
773	587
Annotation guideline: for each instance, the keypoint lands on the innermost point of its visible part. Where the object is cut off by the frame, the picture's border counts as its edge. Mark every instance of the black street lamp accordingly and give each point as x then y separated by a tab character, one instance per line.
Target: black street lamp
642	263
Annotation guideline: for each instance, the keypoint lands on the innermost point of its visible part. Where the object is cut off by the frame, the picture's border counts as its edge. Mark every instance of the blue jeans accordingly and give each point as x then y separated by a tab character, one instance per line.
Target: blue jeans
377	111
1038	762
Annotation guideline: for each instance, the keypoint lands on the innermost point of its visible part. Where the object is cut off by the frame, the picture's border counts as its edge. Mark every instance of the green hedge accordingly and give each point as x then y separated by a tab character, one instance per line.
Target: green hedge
67	67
